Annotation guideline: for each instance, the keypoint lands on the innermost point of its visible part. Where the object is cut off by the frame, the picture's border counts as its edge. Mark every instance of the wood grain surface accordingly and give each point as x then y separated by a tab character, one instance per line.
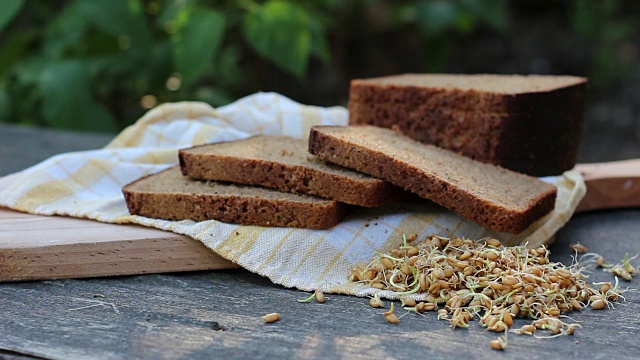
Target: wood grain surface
611	185
36	247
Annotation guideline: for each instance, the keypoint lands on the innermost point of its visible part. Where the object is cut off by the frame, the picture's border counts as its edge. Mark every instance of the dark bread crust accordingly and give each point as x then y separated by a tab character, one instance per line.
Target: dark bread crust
537	133
327	143
288	210
314	177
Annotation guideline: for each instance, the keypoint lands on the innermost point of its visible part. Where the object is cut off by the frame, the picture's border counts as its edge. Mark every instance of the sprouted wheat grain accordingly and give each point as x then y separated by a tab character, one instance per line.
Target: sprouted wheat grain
487	281
390	316
375	301
270	318
623	269
579	248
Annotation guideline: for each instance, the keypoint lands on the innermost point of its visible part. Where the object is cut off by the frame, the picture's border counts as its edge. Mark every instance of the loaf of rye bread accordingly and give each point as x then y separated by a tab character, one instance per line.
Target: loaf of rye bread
170	195
531	124
489	195
283	163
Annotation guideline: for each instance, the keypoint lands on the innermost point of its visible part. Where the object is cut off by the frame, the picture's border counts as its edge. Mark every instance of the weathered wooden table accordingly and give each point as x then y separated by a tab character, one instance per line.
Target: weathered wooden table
217	314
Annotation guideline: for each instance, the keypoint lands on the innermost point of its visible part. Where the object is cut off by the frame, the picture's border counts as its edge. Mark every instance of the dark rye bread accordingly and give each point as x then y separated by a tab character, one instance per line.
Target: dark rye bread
283	163
514	142
171	196
532	124
489	195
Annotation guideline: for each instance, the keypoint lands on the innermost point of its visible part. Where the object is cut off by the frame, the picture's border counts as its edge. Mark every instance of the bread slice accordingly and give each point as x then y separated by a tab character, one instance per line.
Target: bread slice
489	195
532	124
283	163
171	196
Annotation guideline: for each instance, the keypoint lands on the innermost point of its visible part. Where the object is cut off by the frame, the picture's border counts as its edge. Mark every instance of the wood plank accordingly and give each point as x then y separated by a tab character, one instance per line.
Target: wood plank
36	247
611	185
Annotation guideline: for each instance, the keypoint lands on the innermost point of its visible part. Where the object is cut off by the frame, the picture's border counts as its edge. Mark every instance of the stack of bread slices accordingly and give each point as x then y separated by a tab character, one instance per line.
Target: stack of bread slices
287	182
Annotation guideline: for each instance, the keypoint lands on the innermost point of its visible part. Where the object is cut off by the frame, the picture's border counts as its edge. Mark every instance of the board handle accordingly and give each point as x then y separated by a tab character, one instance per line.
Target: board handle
610	185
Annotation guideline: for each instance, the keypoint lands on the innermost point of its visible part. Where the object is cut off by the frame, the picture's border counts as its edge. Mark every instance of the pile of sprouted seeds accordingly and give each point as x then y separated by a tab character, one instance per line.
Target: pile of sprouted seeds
464	280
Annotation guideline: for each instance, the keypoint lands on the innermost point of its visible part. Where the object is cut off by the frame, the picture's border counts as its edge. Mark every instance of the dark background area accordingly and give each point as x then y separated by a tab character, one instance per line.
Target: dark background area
99	65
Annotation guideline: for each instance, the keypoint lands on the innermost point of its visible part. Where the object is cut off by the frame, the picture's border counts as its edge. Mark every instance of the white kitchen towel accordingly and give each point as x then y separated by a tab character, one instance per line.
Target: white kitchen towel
88	184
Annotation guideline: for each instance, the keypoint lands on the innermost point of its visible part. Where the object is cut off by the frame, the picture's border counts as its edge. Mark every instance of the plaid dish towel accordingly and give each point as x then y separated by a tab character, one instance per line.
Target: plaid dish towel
88	185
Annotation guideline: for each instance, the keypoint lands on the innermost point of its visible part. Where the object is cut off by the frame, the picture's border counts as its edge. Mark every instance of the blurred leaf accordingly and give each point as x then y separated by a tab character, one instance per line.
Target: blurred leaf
172	8
196	42
490	12
582	17
101	44
333	4
161	67
10	8
5	105
405	14
465	23
14	48
319	46
121	18
227	70
616	32
609	7
65	32
67	100
437	54
280	31
436	16
213	96
28	70
608	32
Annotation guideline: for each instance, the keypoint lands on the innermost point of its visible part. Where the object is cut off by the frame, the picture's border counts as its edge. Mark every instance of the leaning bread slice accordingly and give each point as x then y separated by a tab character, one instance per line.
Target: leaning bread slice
171	196
491	196
283	163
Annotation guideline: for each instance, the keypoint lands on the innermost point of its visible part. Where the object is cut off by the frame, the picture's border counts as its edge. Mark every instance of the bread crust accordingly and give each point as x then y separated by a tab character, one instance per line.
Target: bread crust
455	193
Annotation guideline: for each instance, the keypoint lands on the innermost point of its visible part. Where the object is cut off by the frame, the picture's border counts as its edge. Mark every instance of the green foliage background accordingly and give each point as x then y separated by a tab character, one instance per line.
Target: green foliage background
86	64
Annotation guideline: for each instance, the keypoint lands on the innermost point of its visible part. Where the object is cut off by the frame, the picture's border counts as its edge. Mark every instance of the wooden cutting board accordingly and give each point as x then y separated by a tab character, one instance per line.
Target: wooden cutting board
36	247
52	247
